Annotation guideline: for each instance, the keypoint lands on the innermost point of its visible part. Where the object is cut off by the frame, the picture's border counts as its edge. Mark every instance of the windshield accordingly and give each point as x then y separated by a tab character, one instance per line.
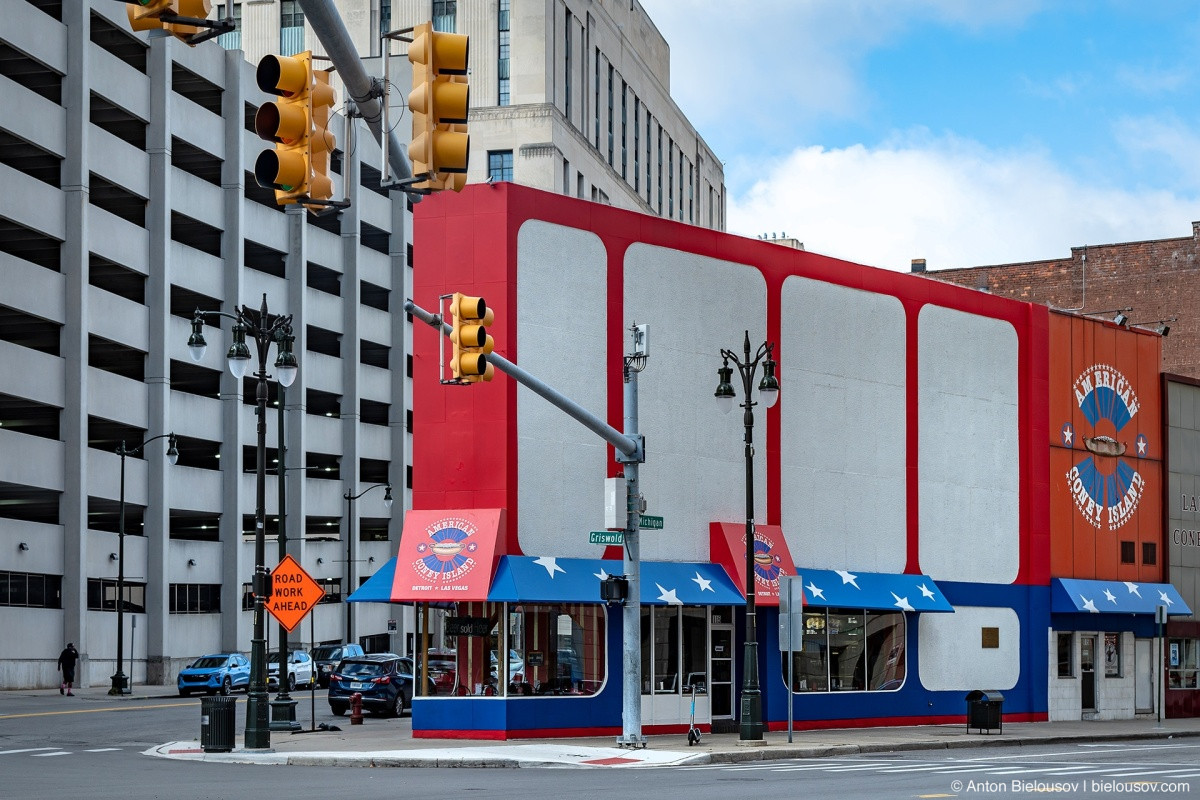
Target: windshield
325	653
209	662
361	668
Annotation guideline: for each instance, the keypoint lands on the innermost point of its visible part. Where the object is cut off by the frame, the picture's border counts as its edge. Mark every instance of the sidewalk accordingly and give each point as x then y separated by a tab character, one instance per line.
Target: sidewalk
381	742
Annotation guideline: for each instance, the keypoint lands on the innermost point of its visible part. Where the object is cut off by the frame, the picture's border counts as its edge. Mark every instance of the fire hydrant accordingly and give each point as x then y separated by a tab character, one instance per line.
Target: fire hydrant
356	717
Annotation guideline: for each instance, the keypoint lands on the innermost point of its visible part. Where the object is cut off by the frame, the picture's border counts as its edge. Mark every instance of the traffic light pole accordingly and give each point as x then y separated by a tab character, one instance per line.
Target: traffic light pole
630	447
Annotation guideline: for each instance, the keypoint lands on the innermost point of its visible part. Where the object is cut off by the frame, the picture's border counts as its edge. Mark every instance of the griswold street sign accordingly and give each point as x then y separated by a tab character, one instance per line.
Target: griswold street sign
293	593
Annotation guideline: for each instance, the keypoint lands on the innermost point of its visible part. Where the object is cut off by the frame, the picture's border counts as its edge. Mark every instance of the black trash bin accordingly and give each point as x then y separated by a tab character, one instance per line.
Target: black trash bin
985	711
217	724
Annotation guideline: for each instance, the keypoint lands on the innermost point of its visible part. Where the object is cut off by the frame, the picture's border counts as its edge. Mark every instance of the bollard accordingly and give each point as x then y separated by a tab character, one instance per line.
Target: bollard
356	717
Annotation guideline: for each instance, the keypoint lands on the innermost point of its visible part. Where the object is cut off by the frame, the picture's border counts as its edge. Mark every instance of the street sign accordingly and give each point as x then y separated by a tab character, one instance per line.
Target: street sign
293	594
606	537
649	523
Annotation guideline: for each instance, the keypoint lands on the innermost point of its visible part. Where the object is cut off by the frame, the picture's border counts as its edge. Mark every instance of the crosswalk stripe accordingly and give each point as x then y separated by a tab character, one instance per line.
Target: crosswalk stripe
921	768
102	750
25	750
47	755
856	767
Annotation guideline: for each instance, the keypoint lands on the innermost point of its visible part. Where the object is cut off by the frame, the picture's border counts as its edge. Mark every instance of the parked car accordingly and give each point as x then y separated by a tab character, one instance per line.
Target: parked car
443	670
300	670
327	656
385	681
218	672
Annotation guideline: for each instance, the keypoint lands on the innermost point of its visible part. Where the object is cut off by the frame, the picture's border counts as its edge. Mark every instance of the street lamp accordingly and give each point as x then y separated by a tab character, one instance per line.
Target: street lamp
751	728
120	682
350	498
265	329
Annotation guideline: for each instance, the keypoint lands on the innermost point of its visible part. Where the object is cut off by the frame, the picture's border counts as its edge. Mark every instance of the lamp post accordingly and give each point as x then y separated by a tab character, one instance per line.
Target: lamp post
120	682
350	498
751	728
265	329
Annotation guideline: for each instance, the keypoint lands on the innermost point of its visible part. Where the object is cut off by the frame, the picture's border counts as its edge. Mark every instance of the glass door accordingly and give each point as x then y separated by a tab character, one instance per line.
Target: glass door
720	689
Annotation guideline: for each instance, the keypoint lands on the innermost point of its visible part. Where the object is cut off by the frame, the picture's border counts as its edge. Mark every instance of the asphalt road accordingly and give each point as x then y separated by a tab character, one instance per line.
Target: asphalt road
92	748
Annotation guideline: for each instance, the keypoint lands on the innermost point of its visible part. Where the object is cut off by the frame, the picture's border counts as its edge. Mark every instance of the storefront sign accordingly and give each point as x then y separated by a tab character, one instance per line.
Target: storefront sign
467	626
1185	538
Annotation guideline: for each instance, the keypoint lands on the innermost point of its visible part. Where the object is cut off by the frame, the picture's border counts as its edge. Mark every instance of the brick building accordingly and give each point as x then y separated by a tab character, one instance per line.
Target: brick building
1155	278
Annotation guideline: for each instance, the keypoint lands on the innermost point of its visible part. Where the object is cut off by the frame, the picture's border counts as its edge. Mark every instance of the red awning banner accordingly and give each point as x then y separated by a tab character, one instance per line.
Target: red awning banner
772	559
448	555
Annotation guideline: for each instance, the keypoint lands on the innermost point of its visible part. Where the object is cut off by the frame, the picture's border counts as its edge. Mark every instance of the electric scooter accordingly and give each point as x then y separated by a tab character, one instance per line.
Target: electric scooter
693	731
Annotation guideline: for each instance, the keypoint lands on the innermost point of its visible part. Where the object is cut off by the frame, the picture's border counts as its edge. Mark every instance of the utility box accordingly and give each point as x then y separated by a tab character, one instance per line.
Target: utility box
985	711
616	513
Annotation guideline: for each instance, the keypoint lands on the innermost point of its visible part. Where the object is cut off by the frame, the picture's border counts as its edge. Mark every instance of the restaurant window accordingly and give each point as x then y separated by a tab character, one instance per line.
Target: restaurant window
674	649
1066	655
849	650
521	650
1181	663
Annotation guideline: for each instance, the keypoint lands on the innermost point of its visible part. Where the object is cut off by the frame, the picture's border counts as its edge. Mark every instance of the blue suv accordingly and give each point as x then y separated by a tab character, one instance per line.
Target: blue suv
219	672
385	681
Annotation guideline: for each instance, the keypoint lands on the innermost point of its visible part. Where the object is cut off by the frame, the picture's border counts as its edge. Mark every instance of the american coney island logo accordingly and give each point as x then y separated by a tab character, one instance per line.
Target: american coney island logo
444	556
768	564
1105	484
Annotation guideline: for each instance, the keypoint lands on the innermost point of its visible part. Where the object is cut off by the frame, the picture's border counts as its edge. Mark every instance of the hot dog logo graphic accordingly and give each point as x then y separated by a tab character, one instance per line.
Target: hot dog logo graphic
446	554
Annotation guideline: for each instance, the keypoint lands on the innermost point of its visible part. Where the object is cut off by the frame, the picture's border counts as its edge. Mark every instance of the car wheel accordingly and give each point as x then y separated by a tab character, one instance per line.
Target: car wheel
338	711
226	686
292	682
398	705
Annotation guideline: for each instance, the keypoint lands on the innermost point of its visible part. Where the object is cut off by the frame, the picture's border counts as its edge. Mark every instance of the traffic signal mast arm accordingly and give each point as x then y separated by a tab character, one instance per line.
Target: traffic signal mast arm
631	448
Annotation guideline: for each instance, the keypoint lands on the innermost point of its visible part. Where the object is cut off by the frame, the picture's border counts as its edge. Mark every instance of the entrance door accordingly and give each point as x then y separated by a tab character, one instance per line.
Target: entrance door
1143	675
1087	672
720	687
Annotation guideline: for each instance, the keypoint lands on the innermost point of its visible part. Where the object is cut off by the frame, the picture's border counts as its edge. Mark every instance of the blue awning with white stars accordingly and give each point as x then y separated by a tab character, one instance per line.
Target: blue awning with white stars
549	579
826	588
1075	595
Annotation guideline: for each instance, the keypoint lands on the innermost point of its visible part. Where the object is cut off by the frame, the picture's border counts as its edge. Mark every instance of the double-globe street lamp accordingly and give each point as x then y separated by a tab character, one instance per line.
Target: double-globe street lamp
120	682
264	329
751	727
350	528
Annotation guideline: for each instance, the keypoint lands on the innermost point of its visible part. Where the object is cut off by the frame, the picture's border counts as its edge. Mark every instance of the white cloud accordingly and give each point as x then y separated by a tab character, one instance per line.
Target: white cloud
950	201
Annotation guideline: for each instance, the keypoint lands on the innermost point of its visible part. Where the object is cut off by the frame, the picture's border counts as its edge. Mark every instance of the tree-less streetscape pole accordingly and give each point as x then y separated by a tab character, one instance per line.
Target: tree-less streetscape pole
630	452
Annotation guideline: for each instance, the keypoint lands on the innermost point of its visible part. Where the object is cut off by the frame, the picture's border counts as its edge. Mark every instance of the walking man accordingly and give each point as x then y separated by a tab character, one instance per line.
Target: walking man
66	665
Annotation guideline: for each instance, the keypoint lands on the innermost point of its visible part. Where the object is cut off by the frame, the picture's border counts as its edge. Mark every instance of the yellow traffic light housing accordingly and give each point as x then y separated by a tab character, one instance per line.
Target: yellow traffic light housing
470	339
439	102
298	168
183	19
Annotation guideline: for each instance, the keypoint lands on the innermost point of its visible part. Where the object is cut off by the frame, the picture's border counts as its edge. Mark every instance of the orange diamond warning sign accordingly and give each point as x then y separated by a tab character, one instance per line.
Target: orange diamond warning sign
293	593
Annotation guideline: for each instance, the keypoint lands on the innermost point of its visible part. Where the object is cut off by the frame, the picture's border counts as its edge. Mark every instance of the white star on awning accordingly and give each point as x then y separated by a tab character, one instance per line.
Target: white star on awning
1089	605
551	565
848	578
704	583
668	596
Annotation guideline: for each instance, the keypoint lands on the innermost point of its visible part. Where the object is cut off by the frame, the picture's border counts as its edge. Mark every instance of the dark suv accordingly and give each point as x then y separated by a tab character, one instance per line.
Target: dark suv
328	656
385	681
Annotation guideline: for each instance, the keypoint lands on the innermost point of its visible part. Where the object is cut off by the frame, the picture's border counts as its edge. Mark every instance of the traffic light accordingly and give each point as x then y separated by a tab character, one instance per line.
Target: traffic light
439	100
298	168
147	15
469	335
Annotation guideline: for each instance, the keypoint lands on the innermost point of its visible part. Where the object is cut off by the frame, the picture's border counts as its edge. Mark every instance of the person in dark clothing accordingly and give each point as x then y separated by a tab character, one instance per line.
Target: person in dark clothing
66	665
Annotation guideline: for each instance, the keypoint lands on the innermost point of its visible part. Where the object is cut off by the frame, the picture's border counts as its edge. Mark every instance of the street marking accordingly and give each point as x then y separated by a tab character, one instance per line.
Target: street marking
855	767
102	750
48	755
25	750
95	710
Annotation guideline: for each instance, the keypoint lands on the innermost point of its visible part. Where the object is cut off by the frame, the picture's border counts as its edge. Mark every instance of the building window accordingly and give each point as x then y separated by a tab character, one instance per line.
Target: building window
670	177
385	16
648	157
596	99
1181	663
30	590
1112	655
660	170
848	649
502	29
1066	655
444	13
195	598
610	115
500	165
1149	553
567	59
637	143
674	648
1128	553
233	39
102	595
691	193
624	130
291	27
566	178
333	590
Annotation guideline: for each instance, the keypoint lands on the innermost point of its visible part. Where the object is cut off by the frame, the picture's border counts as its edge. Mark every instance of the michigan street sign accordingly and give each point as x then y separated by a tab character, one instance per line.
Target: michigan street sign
649	523
606	537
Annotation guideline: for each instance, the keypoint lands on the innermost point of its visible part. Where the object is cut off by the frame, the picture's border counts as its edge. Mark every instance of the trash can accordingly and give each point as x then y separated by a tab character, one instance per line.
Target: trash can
216	724
985	711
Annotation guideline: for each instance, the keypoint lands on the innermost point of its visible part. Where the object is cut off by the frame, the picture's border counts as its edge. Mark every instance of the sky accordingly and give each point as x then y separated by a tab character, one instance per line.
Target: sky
964	132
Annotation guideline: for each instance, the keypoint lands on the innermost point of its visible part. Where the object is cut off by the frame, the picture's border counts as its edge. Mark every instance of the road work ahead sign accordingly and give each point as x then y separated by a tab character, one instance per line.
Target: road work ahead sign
293	593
